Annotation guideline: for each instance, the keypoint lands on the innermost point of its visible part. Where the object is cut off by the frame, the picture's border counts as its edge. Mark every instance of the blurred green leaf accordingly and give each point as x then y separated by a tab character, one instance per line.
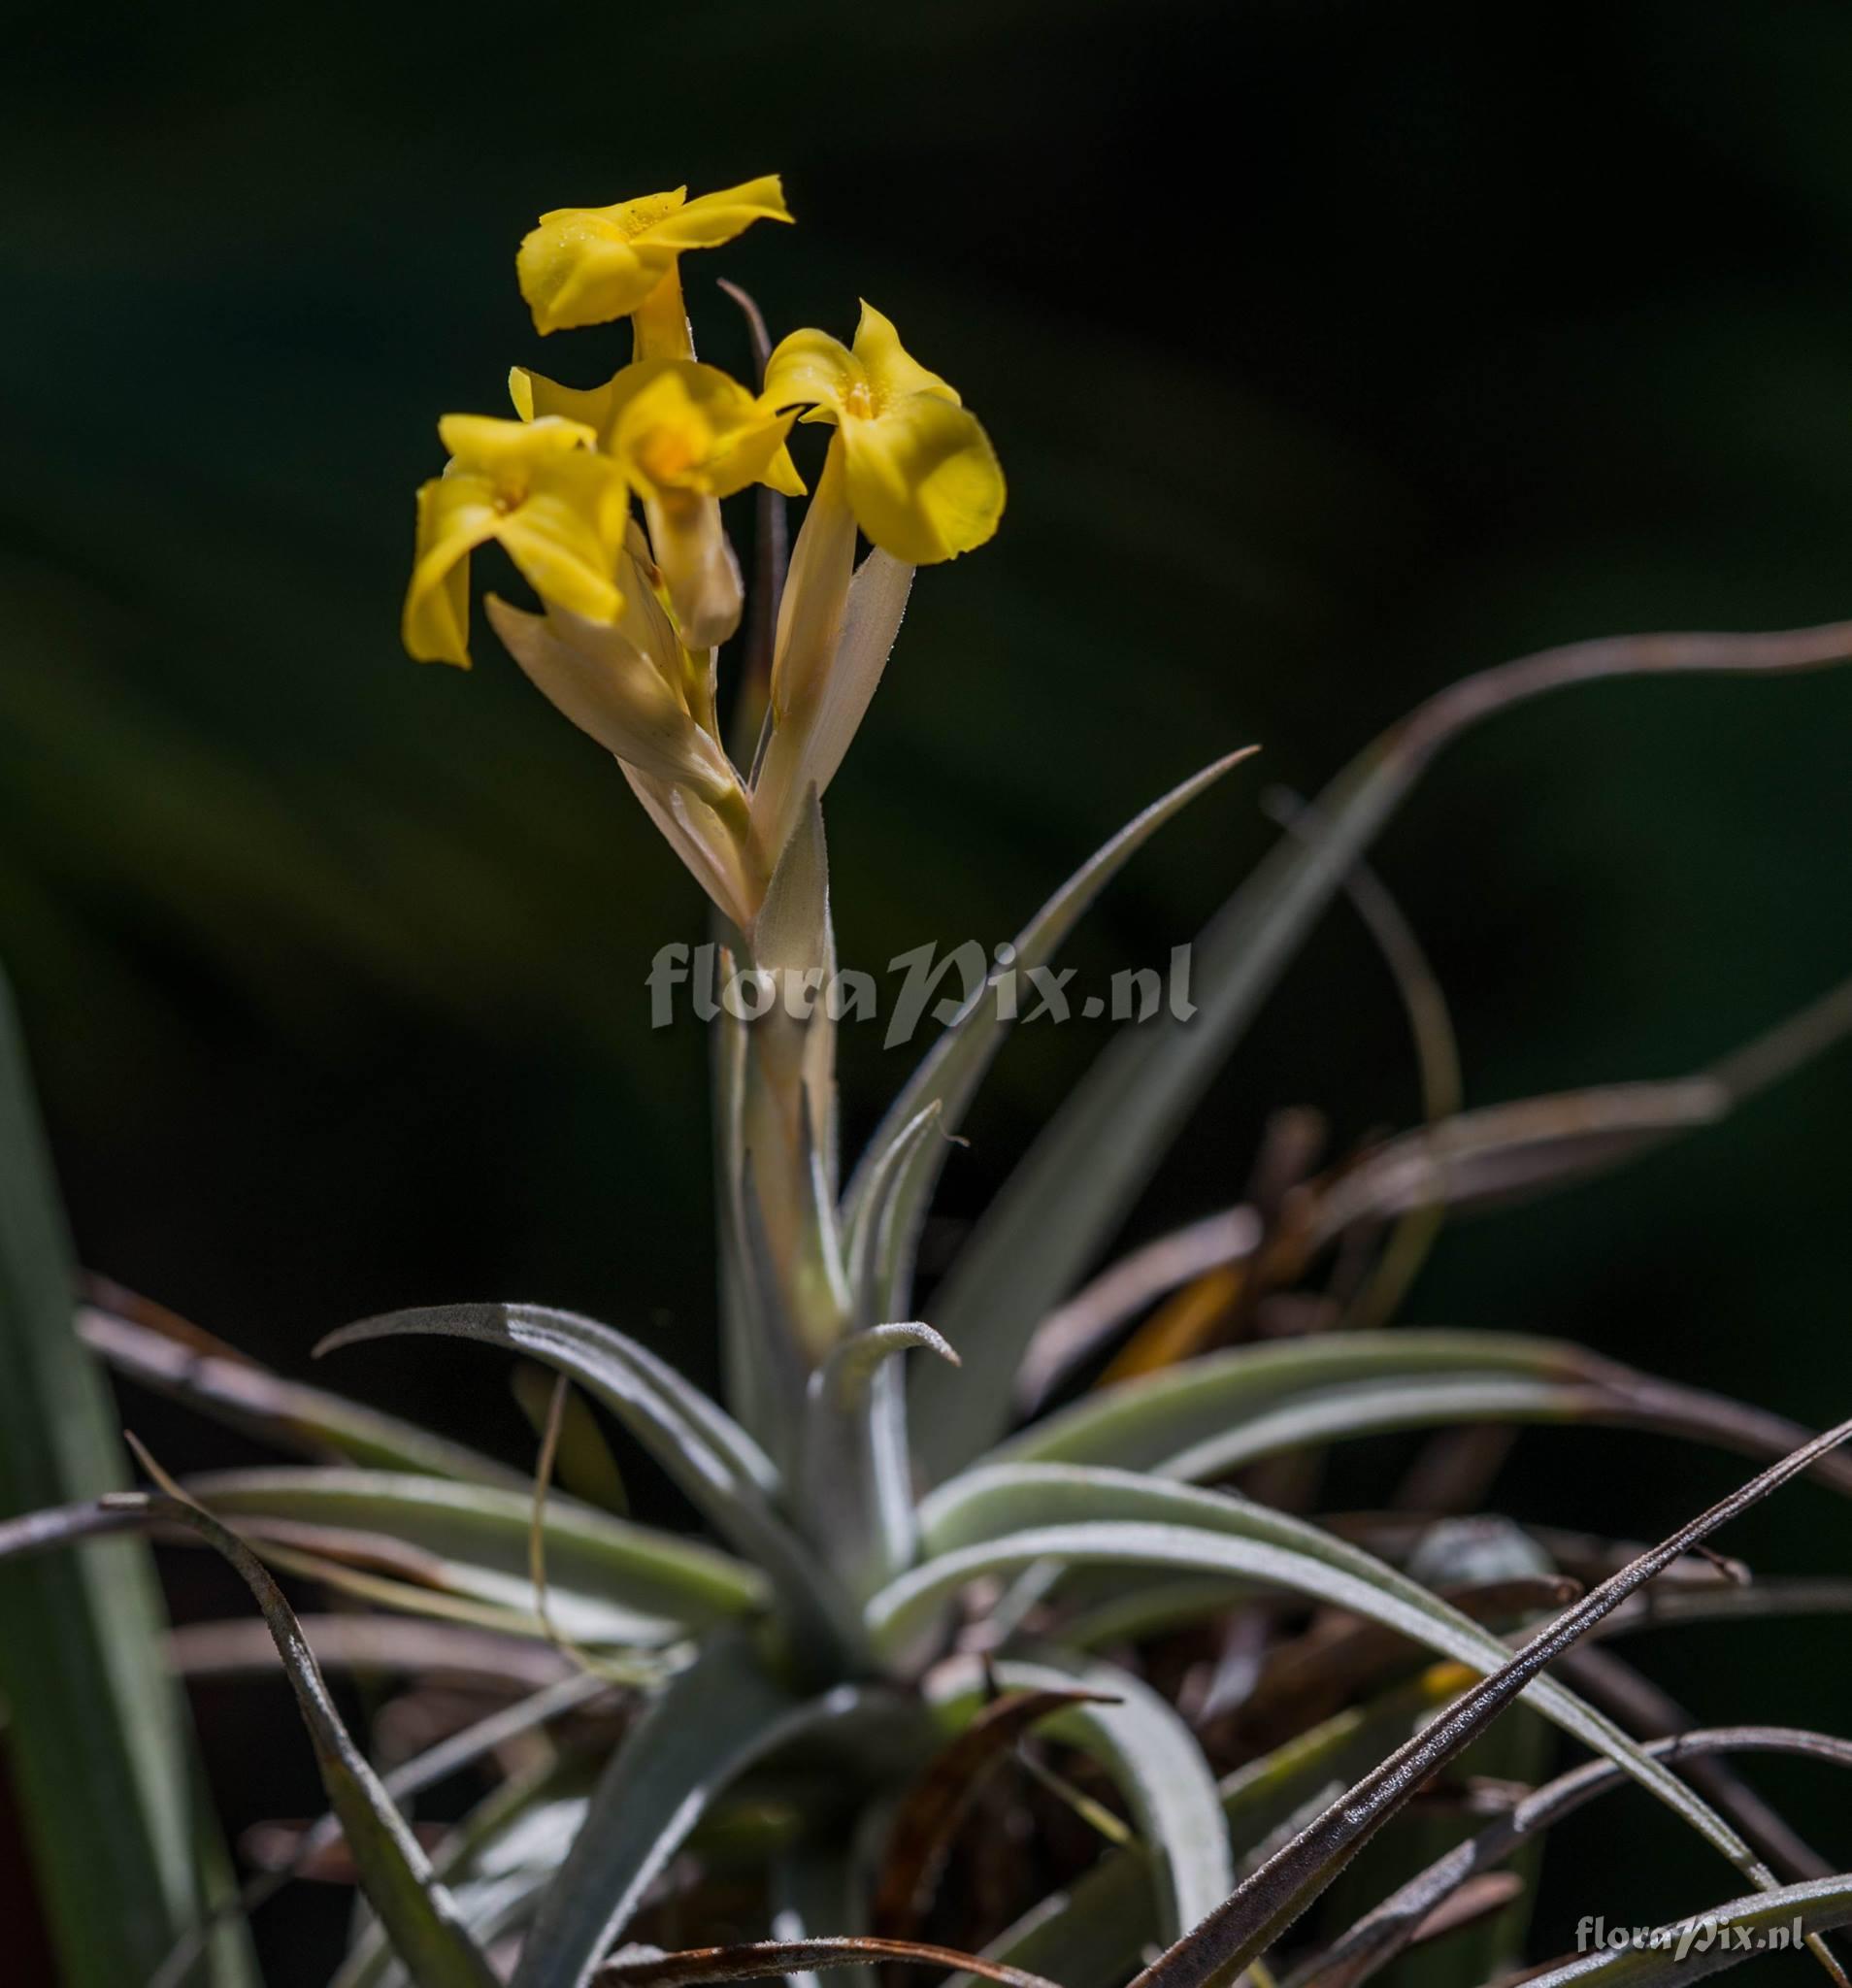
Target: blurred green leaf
97	1736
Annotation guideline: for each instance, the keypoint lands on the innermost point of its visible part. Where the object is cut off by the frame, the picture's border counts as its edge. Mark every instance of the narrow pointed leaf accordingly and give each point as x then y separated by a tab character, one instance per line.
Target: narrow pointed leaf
418	1913
992	1520
1374	1941
1091	1934
1154	1760
1708	1942
1087	1168
1086	1325
954	1067
709	1725
239	1392
1211	1414
683	1584
713	1459
852	1456
927	1816
98	1742
761	1959
871	1237
1259	1910
495	1863
573	1693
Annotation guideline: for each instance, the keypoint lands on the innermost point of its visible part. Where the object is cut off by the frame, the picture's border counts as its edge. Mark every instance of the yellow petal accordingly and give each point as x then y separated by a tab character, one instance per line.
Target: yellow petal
567	532
811	368
632	217
677	425
500	448
716	218
892	371
923	480
456	514
581	267
587	265
781	474
535	396
754	452
661	431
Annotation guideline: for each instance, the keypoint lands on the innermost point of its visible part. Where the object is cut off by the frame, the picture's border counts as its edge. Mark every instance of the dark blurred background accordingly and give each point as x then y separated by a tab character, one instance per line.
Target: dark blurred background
1332	351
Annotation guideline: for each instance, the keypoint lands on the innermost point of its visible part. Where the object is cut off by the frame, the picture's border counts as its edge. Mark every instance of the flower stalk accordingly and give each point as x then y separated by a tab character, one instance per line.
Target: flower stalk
608	499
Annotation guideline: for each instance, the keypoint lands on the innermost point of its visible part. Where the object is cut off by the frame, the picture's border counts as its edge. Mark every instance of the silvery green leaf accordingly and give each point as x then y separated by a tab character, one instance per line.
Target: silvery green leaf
706	1726
854	1476
1081	1178
1154	1760
1708	1942
1146	1422
1267	1901
1091	1934
951	1071
996	1519
713	1459
592	1559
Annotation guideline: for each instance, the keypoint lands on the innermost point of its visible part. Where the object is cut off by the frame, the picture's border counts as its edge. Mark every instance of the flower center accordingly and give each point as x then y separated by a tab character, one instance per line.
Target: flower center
666	452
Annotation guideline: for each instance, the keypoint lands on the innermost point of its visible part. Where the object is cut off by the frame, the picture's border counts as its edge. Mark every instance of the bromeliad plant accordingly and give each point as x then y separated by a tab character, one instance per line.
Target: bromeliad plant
1038	1654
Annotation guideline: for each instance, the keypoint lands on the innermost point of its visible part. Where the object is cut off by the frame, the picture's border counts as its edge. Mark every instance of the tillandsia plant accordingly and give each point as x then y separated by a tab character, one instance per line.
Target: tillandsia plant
1013	1648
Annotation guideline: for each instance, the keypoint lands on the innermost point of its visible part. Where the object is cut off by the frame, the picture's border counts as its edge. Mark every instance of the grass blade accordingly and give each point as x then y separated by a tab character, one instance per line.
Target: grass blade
98	1742
417	1912
1080	1180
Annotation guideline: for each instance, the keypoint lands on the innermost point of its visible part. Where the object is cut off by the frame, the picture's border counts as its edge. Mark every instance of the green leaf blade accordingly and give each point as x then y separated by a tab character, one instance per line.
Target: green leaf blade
98	1739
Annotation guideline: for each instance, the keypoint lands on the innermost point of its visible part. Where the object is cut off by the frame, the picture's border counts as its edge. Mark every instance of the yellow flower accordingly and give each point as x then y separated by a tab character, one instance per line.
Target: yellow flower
538	487
676	425
920	474
587	265
684	436
673	424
